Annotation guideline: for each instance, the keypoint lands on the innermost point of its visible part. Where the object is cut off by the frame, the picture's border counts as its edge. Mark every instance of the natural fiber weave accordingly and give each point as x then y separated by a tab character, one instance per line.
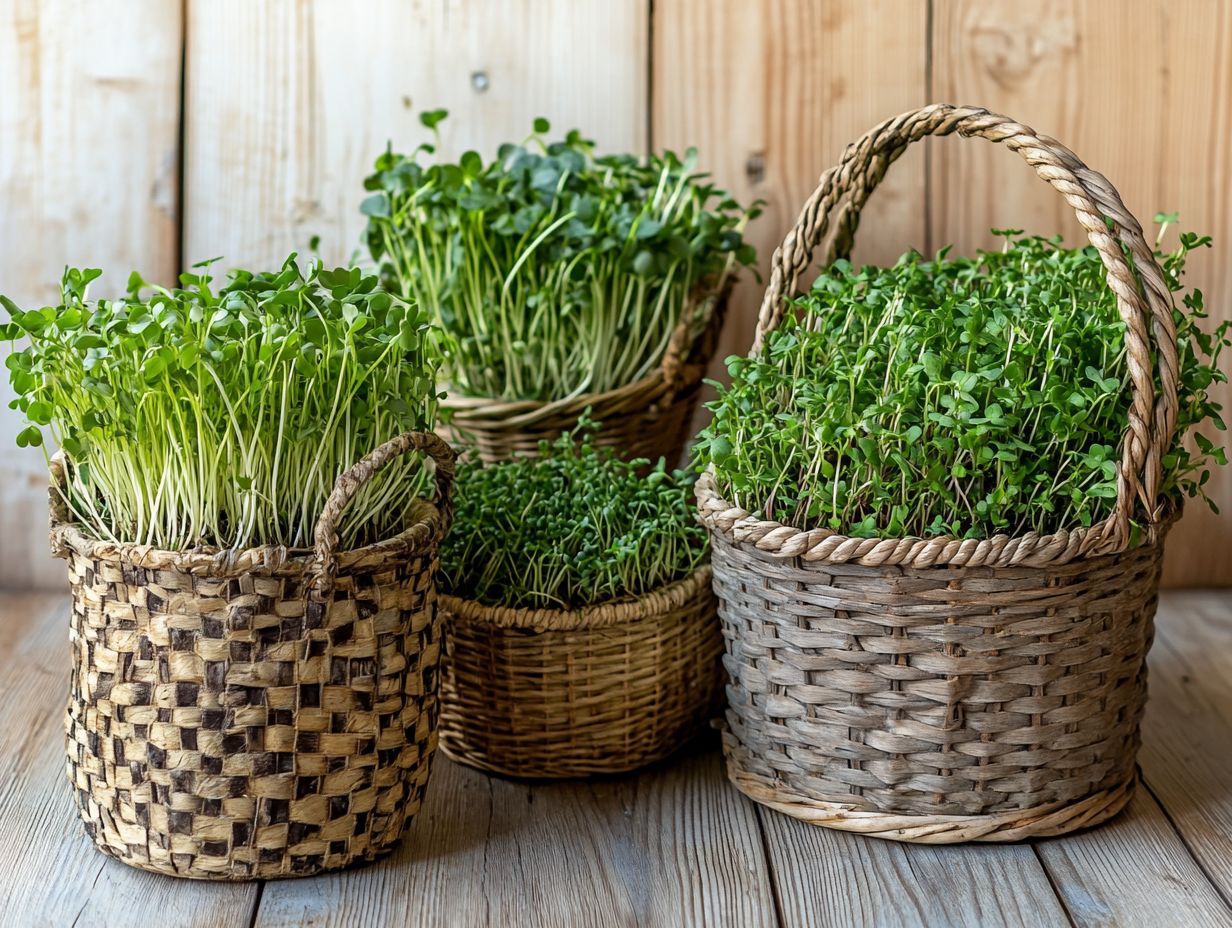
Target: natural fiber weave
650	418
267	714
556	693
943	689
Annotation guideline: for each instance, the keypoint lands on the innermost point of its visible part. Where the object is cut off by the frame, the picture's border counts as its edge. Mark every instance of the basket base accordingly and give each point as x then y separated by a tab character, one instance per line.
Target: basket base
548	768
236	874
1016	825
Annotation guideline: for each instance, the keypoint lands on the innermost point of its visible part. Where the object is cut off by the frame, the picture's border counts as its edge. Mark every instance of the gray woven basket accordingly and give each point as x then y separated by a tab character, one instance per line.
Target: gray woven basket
939	689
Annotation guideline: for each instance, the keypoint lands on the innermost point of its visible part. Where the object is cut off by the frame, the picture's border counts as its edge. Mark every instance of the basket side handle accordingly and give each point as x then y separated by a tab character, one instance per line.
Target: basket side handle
57	504
350	481
680	346
1143	298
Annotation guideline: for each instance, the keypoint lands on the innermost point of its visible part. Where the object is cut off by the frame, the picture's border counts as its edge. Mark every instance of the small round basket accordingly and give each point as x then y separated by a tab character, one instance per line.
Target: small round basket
942	690
545	693
257	714
649	418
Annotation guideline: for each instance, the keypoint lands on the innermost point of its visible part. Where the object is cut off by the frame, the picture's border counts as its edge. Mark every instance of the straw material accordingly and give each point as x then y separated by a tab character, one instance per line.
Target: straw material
650	418
943	690
555	693
265	714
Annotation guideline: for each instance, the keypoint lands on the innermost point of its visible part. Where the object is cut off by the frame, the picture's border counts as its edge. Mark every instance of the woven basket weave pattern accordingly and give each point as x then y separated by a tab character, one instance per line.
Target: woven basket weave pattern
263	715
938	691
952	689
650	418
639	424
234	727
540	693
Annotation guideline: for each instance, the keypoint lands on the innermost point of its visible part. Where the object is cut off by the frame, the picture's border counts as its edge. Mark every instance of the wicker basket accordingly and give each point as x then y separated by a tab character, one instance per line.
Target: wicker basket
942	690
266	713
650	418
556	693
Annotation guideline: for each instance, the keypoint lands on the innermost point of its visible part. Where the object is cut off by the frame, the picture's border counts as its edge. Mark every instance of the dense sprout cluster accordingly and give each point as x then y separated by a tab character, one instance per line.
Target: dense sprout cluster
957	396
570	528
198	418
552	271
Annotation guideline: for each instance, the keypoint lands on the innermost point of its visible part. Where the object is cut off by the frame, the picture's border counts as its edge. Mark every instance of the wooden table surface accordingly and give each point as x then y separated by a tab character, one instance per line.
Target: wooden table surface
672	846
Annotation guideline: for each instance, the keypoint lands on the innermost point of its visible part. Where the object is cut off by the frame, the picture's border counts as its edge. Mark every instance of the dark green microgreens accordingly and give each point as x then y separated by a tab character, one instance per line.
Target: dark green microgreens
199	418
959	396
553	271
570	528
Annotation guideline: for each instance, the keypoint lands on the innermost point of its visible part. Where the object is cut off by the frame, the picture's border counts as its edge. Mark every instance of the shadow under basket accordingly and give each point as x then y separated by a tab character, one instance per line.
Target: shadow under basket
258	714
650	418
942	690
543	693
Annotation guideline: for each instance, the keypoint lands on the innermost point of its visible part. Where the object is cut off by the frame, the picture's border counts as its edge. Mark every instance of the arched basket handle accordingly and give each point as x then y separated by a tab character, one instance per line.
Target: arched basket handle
350	481
1143	298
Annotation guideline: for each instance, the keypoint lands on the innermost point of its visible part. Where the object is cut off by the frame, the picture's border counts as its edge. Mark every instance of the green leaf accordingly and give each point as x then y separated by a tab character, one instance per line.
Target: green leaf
432	118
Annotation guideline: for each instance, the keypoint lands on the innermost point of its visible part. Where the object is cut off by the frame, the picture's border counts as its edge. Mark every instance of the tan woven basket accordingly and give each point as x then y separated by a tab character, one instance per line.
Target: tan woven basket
557	693
650	418
943	690
255	714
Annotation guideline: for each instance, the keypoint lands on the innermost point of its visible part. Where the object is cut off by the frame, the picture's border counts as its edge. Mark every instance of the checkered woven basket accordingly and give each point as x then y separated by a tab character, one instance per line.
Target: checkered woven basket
255	714
941	689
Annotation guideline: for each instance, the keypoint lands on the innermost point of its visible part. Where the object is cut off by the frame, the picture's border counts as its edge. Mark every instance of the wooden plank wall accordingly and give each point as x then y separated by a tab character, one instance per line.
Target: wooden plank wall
286	103
89	175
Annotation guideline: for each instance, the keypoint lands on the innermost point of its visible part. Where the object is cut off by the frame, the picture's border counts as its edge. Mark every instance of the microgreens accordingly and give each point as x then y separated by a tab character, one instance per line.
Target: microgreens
963	396
194	418
570	528
553	272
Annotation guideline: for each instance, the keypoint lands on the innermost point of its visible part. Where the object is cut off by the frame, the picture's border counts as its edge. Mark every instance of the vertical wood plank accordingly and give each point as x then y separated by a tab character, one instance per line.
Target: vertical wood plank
89	138
1133	871
289	102
50	873
673	846
829	877
1187	734
1143	93
772	92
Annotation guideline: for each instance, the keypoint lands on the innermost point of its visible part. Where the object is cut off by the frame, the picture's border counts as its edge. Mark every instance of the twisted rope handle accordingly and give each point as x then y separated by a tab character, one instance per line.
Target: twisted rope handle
350	481
1143	298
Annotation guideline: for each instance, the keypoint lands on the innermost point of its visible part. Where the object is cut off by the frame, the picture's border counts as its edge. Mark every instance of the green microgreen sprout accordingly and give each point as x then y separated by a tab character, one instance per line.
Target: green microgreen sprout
573	527
957	396
194	418
552	271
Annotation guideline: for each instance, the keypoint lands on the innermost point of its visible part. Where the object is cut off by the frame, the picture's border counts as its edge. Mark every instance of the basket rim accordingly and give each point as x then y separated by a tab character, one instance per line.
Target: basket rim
496	414
426	529
820	545
661	601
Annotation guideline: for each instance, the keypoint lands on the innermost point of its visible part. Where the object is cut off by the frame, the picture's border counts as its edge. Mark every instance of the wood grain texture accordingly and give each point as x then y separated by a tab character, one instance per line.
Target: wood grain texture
834	878
671	847
89	137
1187	734
772	92
1143	93
50	873
675	845
1132	871
289	102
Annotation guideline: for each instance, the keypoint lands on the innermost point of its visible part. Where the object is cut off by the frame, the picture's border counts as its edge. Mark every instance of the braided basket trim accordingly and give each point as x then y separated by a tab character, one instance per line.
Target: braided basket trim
613	612
825	546
681	369
1056	818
